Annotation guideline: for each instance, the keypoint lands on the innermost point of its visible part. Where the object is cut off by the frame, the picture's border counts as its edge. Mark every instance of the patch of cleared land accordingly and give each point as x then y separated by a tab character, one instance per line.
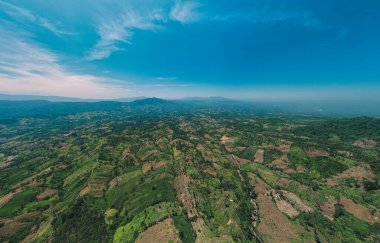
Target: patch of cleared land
274	226
6	198
365	143
284	183
316	153
181	184
259	156
127	155
12	225
237	160
150	153
281	163
296	201
345	153
360	173
46	193
360	211
96	187
162	232
285	147
224	139
7	161
283	205
153	165
328	208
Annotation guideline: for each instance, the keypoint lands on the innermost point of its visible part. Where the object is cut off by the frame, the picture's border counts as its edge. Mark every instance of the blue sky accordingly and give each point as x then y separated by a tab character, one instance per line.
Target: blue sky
247	49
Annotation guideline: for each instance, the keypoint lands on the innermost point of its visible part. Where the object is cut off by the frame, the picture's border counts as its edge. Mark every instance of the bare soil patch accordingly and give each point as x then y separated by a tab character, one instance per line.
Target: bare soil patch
280	163
200	147
12	225
114	182
153	165
283	205
345	153
237	160
210	172
296	201
360	211
316	153
285	147
216	166
150	153
231	148
274	226
259	156
361	173
224	139
7	161
181	184
41	173
198	227
328	208
130	156
365	143
6	198
284	183
46	193
161	232
96	187
299	170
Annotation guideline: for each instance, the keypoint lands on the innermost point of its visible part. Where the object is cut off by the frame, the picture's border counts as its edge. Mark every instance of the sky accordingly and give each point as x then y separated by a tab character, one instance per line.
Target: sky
241	49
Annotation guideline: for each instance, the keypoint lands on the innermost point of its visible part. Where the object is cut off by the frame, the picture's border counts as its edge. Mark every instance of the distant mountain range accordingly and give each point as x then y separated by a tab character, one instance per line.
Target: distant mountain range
72	99
61	99
17	105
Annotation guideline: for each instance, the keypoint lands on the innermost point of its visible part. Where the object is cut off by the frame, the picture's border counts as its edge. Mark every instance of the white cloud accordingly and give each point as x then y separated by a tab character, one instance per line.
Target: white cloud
185	12
166	78
115	27
26	67
25	16
115	30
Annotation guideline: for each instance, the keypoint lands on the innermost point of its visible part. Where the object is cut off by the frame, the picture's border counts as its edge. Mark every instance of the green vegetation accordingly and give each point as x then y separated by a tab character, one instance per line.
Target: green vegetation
40	205
107	175
143	220
16	204
183	225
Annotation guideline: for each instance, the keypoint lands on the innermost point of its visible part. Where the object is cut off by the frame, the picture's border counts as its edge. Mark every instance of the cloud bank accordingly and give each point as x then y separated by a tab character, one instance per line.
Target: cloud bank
27	67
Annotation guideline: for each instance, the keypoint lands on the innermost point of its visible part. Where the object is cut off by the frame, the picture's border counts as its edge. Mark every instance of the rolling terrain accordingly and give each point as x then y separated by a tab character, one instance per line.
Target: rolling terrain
153	170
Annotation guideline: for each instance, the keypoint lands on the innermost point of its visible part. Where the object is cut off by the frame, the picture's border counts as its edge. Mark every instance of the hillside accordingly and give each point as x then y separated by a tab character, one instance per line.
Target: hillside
162	171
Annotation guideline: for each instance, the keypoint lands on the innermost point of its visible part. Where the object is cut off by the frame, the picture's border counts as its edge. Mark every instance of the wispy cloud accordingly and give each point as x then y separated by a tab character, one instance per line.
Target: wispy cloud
25	16
117	28
185	12
166	78
114	30
25	66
